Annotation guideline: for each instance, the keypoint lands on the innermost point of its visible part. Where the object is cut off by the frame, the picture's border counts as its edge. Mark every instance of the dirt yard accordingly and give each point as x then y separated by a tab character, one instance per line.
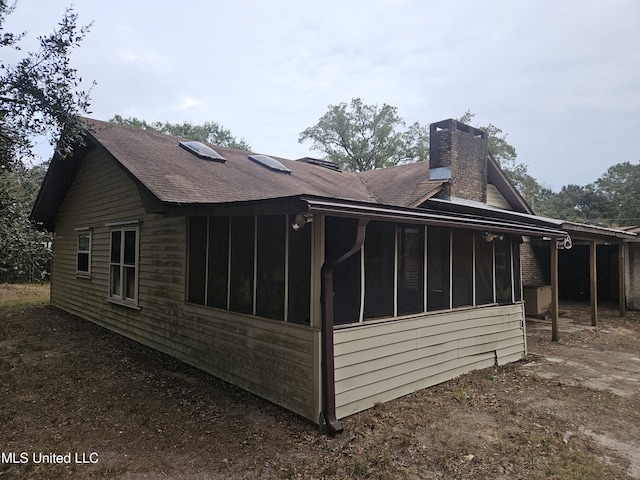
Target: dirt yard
101	406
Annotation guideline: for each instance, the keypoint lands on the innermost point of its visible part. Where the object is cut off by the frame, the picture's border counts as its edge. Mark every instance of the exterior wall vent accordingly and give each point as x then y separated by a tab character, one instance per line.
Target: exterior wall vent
321	163
270	163
203	151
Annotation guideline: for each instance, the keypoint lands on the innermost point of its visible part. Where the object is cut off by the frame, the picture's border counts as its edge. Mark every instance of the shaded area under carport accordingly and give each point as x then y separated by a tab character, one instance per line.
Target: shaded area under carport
591	267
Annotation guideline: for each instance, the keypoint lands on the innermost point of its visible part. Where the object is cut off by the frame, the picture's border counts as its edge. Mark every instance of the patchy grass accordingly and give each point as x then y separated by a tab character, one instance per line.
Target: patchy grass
67	385
570	462
20	296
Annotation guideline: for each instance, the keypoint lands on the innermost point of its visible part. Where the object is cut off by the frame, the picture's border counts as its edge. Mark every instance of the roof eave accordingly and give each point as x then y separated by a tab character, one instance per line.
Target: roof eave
55	185
61	174
500	180
431	217
597	233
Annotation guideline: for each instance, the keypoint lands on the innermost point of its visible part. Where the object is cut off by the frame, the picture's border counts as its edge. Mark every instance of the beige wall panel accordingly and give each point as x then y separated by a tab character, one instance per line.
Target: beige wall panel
391	359
361	399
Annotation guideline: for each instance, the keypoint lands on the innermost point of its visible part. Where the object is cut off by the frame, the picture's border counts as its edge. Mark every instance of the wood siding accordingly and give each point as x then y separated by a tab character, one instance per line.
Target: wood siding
495	198
272	359
382	361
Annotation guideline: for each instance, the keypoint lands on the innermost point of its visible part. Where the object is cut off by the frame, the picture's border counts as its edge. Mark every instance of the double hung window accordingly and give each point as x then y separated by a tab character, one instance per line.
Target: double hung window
123	265
83	254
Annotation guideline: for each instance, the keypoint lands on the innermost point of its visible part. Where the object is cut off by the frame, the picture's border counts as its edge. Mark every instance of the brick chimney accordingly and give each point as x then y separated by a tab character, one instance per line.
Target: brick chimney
458	152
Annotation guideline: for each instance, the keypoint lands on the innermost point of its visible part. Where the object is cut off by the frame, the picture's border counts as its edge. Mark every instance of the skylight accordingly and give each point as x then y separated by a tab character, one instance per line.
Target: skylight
270	163
203	151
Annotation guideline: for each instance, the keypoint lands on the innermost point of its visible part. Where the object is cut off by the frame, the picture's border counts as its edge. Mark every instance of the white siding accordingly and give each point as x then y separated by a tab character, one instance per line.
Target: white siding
495	198
381	361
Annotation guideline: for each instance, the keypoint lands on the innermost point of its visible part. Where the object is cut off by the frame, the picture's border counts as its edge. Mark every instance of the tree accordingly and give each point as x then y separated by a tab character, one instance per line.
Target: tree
24	250
361	137
208	132
38	95
574	203
612	200
618	189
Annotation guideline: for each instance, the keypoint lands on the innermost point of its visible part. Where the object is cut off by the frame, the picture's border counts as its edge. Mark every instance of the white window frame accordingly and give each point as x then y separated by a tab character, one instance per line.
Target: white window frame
121	298
82	231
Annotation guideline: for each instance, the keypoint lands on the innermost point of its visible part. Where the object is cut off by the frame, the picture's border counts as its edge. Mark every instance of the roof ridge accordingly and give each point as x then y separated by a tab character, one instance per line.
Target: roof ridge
367	187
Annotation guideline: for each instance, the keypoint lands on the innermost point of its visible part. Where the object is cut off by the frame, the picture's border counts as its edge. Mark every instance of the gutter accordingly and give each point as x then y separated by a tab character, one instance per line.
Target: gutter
503	221
328	367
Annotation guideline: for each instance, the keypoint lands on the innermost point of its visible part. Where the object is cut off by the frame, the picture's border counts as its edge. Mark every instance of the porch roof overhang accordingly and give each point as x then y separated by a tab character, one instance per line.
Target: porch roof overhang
518	224
444	214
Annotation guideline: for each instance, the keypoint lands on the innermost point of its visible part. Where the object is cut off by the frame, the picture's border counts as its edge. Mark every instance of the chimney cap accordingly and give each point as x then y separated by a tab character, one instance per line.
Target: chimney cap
452	124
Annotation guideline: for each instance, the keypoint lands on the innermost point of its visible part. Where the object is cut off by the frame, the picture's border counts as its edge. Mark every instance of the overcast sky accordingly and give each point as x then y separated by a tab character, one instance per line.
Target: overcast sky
561	78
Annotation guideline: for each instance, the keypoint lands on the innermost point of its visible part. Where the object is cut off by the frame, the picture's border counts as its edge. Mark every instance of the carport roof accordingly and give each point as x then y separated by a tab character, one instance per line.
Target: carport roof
581	231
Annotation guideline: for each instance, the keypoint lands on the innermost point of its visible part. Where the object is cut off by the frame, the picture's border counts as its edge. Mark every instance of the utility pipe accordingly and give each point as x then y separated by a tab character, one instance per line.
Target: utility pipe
328	366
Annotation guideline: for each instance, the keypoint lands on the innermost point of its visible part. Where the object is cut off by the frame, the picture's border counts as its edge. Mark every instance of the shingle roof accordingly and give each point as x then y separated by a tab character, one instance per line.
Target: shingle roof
175	177
173	174
402	185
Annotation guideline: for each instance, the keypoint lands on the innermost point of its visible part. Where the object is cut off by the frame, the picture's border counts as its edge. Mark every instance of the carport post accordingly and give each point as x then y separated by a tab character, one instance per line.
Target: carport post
593	278
621	273
554	291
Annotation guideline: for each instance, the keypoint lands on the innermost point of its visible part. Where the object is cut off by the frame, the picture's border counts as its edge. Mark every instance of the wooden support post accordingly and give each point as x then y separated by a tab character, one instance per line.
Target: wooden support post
593	279
555	310
621	275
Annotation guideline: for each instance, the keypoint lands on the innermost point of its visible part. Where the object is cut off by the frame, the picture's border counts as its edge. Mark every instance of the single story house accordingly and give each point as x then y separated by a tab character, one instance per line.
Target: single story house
320	290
